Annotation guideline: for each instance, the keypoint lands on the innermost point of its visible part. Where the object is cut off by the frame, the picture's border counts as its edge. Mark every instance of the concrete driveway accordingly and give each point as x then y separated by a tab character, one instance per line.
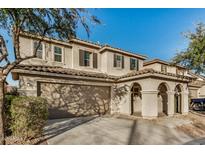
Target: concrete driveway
110	130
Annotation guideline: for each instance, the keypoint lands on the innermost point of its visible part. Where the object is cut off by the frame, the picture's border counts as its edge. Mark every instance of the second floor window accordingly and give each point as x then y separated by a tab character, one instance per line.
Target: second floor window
57	54
84	58
118	61
39	52
164	68
134	64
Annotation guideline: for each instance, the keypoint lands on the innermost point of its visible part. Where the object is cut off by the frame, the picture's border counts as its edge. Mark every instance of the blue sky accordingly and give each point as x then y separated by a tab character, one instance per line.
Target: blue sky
156	33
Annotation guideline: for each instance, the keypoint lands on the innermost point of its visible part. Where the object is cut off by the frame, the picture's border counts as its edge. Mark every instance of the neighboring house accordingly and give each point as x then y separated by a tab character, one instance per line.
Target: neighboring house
197	87
81	78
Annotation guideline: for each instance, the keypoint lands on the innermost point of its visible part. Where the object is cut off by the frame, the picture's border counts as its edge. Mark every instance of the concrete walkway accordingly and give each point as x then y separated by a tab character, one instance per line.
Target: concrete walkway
102	130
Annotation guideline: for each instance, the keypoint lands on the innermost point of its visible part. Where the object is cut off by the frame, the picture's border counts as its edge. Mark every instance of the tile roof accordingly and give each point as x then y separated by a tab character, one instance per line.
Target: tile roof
197	83
161	62
152	71
60	70
196	75
67	71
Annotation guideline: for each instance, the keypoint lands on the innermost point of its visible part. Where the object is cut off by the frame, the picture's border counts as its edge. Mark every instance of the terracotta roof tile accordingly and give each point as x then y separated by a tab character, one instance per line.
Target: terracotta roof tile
152	71
60	70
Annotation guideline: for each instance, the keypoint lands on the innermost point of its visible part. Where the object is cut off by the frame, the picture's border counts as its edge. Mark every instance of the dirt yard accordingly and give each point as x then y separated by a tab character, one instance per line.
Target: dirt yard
196	128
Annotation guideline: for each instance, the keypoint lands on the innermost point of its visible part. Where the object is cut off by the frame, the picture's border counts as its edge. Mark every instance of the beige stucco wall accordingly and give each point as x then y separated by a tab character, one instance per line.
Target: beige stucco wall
157	67
75	53
201	92
149	97
120	93
193	92
70	56
26	49
107	64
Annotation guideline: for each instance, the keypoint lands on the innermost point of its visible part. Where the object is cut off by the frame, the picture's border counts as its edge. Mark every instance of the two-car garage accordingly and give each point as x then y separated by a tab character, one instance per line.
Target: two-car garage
72	100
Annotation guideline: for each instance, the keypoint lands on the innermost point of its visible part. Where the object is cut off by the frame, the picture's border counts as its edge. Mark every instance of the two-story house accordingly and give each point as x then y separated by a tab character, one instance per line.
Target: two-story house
80	78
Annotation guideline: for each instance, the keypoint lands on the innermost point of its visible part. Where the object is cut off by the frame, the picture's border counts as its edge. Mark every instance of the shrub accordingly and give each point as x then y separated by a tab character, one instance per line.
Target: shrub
7	105
28	115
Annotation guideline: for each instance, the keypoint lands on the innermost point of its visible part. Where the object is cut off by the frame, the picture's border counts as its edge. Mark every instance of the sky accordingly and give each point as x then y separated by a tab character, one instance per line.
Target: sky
156	33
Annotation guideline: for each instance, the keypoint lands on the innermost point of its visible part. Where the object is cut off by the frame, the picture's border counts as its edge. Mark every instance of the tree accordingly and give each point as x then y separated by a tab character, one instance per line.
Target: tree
54	23
193	57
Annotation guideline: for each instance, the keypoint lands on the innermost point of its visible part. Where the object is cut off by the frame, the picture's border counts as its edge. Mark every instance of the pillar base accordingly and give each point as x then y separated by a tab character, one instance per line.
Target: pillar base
185	113
170	115
149	117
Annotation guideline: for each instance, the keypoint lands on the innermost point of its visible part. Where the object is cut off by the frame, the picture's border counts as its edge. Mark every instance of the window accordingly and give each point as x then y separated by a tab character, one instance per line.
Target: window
134	64
84	58
57	54
118	61
163	68
39	52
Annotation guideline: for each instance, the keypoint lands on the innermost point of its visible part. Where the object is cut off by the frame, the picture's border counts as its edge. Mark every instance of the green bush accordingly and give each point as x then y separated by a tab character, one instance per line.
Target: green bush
7	105
28	116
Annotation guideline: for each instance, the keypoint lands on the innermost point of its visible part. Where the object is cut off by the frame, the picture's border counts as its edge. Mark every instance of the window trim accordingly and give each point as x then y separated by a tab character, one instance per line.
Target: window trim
53	53
43	50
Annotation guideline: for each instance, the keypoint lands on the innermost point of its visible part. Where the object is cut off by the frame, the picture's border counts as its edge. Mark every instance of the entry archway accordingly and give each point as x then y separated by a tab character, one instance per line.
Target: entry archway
162	99
178	99
136	99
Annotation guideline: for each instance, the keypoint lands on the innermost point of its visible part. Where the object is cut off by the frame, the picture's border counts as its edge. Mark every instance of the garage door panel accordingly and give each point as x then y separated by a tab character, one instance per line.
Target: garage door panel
67	100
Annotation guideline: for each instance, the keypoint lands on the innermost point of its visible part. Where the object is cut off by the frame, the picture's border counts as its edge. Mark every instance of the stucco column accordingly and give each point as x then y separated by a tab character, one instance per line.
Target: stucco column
170	105
185	102
149	104
114	101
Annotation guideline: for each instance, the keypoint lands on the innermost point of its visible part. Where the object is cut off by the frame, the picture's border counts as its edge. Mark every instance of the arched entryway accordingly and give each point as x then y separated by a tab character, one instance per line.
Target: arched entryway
178	99
162	99
136	97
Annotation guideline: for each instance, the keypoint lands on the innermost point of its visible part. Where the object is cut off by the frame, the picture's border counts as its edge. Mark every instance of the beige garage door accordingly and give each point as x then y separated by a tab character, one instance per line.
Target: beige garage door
67	100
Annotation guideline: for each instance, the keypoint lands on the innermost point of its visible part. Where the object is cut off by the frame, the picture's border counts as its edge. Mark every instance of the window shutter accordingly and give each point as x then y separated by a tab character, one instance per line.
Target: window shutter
115	60
95	60
81	56
122	61
137	61
130	64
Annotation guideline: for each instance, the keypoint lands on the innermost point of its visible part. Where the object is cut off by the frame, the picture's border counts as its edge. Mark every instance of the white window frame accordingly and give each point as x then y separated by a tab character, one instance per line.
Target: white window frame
43	49
62	53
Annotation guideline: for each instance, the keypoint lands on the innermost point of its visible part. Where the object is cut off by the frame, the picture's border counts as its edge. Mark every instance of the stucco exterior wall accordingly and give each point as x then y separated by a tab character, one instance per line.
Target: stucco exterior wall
193	92
70	57
107	64
26	49
75	53
149	97
201	92
170	69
